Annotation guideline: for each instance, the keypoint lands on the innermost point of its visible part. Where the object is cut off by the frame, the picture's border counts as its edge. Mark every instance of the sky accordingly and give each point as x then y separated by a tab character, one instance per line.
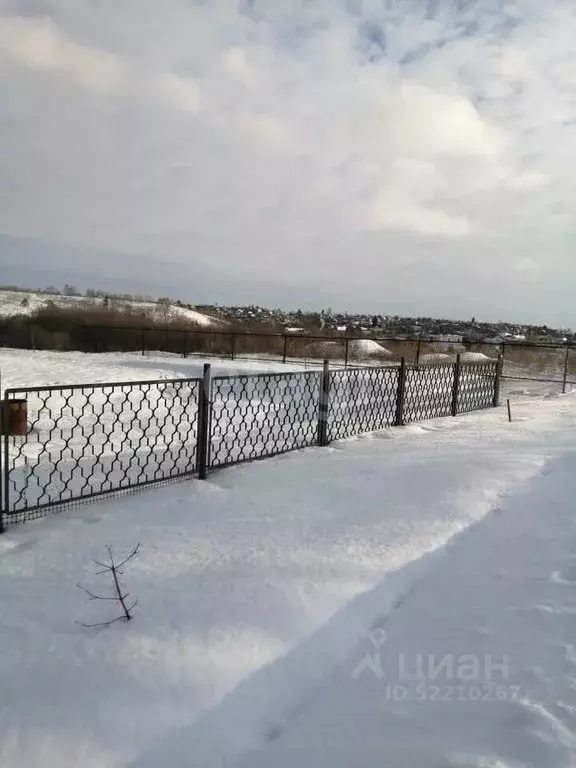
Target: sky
392	156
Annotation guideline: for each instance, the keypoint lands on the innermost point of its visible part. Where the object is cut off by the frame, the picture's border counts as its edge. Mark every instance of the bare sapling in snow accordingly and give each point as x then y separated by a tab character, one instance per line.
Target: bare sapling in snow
126	601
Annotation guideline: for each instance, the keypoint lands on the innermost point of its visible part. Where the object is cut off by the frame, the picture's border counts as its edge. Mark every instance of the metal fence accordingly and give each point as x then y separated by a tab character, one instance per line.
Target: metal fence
546	363
361	400
551	362
84	441
264	415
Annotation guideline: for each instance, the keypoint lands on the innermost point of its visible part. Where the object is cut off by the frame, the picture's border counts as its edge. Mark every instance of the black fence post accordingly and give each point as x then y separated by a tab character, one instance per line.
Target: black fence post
204	422
323	404
347	350
232	346
399	421
566	364
143	342
498	380
456	386
284	353
5	471
418	350
185	345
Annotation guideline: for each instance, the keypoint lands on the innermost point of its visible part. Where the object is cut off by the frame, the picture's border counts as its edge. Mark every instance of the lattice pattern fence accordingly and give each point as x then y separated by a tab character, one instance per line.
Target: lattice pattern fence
361	400
89	440
476	387
429	391
263	415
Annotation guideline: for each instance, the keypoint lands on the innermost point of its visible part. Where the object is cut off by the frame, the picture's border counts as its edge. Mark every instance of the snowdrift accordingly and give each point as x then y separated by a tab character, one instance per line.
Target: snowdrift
437	357
365	348
476	357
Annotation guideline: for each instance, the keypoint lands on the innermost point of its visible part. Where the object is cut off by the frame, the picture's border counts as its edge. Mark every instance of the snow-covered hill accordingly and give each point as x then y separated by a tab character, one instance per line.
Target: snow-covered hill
25	303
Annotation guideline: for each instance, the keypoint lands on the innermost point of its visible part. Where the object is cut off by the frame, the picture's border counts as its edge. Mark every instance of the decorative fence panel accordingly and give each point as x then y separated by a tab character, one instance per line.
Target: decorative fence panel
88	440
429	390
476	390
257	416
361	400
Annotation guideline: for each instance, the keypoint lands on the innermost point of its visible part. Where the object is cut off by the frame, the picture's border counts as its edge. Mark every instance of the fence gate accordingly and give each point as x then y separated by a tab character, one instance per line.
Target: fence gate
87	440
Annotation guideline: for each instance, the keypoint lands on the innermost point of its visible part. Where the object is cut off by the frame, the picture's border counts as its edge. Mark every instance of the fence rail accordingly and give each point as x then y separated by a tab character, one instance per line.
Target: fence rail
545	362
84	441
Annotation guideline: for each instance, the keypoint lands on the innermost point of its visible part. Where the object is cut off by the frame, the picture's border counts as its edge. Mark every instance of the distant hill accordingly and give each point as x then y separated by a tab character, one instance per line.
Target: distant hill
14	302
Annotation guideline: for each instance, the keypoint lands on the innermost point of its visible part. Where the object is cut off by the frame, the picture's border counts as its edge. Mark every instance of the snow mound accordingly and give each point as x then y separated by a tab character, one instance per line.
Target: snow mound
437	357
465	357
362	348
25	303
475	357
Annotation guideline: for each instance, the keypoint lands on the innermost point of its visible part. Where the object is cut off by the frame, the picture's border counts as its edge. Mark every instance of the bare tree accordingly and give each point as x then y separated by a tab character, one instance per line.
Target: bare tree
126	601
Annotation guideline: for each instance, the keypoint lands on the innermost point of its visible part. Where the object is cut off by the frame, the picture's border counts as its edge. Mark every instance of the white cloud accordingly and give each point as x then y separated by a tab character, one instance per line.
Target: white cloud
235	62
388	213
180	92
40	45
276	144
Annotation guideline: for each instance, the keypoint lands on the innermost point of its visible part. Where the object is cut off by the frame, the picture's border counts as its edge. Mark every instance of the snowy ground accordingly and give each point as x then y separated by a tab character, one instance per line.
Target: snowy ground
257	590
20	368
476	665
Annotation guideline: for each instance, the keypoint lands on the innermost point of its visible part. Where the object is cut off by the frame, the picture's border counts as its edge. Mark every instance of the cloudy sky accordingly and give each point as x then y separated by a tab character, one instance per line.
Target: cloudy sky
399	156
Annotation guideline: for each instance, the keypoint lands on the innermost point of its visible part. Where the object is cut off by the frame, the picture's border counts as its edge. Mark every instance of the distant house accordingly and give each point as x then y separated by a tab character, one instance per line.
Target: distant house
448	338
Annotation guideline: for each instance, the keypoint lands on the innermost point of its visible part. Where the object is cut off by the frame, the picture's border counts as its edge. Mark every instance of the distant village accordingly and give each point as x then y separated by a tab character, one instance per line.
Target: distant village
256	318
384	326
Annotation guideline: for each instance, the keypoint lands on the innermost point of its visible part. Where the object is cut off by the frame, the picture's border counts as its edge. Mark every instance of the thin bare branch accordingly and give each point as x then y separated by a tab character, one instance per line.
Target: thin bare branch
129	611
119	597
102	623
130	557
92	596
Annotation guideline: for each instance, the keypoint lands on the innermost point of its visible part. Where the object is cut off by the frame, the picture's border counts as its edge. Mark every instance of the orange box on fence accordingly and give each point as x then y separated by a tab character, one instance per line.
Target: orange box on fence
14	417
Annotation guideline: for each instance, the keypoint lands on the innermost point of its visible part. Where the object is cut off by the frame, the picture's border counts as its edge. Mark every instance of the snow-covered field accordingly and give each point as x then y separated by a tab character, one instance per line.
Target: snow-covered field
26	303
258	590
20	368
